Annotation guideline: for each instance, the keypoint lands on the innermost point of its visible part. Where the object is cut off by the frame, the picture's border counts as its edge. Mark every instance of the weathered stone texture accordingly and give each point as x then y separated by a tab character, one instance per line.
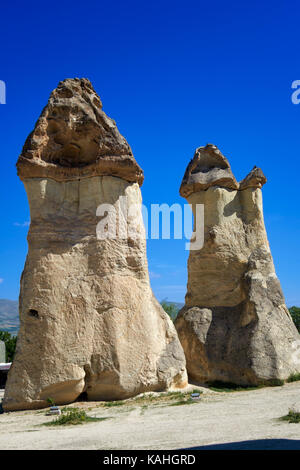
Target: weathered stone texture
234	326
89	320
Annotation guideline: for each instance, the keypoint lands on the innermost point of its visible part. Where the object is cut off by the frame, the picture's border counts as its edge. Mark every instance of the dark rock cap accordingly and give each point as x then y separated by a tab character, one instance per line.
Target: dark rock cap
73	138
255	179
209	168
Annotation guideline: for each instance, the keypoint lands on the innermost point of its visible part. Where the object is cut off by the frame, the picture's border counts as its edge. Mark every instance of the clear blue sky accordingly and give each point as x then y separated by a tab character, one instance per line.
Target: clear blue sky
174	75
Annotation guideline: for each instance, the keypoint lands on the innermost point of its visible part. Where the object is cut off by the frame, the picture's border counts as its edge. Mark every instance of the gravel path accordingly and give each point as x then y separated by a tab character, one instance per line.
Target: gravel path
217	418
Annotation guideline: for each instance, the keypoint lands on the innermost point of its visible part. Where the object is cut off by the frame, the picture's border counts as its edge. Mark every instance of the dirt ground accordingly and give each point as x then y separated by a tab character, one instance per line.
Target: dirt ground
150	423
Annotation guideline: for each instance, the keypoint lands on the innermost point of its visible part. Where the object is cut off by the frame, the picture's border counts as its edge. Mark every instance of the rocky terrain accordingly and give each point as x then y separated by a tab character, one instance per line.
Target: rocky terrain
241	420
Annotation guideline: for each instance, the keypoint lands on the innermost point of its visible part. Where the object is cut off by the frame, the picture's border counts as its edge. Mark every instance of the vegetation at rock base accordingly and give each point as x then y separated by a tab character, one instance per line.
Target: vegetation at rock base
189	401
293	378
295	314
292	417
10	344
50	401
110	404
218	386
274	383
73	416
149	399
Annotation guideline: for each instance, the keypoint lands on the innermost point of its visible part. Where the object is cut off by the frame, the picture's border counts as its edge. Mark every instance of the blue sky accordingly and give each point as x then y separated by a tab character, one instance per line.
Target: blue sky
174	75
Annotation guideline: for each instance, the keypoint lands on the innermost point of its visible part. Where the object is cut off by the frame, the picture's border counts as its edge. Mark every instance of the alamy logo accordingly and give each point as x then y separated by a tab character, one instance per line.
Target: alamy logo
127	220
2	92
296	95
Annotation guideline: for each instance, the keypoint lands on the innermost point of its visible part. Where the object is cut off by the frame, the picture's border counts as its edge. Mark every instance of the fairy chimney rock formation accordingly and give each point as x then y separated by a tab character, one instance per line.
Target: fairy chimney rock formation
89	320
235	326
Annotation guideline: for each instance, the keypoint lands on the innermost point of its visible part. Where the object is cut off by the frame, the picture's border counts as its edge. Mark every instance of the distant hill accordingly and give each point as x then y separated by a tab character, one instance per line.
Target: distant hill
9	316
178	305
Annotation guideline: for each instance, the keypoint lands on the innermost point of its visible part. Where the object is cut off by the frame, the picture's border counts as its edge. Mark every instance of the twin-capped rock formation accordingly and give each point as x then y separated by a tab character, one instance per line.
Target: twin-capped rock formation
234	326
89	320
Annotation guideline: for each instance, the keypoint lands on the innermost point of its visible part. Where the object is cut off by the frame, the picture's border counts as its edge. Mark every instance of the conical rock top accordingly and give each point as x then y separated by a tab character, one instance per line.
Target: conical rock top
74	138
255	179
207	168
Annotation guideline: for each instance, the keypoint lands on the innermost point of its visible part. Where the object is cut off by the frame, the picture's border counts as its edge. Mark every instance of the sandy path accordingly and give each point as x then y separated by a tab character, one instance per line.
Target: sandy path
217	418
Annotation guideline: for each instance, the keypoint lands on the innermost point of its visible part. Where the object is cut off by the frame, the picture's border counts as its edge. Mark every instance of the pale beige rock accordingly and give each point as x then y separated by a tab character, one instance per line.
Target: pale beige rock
235	326
89	320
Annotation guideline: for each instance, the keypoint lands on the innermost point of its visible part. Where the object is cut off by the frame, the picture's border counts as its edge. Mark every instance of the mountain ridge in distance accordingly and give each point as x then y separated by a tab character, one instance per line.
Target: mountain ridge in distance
9	316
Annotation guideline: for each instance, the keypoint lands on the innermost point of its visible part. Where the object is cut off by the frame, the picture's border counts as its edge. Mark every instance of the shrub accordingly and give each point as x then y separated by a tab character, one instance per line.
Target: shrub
295	314
219	386
292	417
72	416
274	383
189	401
109	404
293	378
170	308
50	401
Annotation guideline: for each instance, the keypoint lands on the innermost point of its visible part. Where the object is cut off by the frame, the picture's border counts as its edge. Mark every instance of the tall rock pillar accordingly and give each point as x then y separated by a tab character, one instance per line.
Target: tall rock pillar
235	326
89	320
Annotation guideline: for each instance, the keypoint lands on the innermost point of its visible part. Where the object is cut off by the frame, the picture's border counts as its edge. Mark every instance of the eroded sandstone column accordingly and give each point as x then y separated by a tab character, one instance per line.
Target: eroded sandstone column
234	326
89	320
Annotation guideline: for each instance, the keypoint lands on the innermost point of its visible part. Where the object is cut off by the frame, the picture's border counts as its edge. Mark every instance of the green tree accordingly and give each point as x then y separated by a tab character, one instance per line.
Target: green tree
295	314
170	308
10	344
